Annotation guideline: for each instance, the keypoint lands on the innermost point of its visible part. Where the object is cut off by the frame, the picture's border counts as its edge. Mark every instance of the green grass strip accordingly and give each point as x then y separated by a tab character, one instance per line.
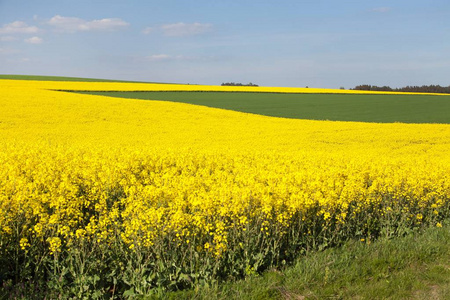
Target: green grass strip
413	267
335	107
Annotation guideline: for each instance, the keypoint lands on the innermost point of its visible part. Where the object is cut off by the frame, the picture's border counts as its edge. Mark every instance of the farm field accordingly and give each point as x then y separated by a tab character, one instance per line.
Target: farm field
334	107
163	195
56	78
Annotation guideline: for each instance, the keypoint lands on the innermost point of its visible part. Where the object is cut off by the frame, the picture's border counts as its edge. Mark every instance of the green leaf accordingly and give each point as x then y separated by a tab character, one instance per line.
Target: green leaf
129	293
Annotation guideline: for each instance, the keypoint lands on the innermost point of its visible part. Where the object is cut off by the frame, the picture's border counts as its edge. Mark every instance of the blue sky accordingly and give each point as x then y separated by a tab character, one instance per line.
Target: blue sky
318	43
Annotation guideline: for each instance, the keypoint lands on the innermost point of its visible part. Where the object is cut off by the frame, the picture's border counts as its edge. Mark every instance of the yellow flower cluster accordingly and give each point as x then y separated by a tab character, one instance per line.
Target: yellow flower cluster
76	167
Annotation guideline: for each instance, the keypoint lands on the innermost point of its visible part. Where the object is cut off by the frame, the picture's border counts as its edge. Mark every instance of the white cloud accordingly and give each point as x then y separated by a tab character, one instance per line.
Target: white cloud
161	57
106	24
183	29
18	27
180	29
185	58
381	9
34	40
148	30
66	23
72	24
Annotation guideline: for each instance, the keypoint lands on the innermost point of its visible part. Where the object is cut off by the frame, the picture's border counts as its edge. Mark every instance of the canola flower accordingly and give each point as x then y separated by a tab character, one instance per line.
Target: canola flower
169	177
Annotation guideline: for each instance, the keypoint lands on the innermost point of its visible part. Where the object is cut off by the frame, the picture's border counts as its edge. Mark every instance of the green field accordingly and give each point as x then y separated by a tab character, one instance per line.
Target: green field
336	107
58	78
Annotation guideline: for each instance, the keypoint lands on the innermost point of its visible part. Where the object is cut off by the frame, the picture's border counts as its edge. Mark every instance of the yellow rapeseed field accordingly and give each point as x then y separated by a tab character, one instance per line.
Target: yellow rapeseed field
164	177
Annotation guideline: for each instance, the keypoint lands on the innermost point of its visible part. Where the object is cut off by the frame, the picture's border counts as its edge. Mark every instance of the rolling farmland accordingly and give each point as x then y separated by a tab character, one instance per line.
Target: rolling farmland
167	195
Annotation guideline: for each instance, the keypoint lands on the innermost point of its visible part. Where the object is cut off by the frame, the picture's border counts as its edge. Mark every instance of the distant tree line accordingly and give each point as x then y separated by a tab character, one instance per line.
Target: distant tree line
237	84
414	89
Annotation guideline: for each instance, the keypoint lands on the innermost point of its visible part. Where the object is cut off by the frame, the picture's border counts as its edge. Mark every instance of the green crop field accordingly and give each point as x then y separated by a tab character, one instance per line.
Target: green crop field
347	107
335	107
58	78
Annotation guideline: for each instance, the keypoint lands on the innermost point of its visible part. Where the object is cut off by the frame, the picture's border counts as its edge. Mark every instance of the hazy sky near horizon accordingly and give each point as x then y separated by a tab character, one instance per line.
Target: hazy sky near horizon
320	43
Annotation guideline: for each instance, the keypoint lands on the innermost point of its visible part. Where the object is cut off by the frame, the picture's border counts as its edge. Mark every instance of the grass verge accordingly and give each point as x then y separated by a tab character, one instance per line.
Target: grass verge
413	267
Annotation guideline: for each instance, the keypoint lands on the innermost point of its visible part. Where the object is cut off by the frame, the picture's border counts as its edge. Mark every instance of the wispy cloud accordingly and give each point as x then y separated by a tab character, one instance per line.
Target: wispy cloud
18	27
179	58
163	57
183	29
8	51
382	9
34	40
148	30
180	29
7	38
73	24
